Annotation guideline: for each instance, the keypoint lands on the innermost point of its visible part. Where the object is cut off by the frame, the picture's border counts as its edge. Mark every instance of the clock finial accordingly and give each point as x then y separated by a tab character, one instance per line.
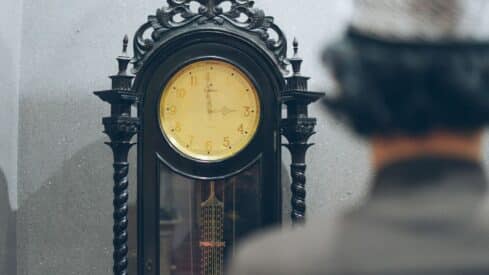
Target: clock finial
125	42
296	46
296	61
124	59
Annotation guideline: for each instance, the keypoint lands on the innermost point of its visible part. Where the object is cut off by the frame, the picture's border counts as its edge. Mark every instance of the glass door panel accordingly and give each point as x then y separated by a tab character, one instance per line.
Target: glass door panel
201	221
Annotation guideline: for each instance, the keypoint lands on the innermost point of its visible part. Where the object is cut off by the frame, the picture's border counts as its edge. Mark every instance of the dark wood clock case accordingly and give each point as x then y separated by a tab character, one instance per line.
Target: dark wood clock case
211	33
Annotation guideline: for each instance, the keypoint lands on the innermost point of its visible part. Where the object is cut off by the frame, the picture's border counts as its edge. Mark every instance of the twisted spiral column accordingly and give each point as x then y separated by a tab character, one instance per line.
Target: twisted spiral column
298	188
298	131
121	127
121	133
120	203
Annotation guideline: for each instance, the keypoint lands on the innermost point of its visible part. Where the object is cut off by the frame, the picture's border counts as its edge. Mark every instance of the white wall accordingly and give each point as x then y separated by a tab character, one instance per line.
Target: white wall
10	55
10	49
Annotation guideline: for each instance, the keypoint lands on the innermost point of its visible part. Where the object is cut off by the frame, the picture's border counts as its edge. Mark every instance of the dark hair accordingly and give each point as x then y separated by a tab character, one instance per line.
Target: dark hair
407	88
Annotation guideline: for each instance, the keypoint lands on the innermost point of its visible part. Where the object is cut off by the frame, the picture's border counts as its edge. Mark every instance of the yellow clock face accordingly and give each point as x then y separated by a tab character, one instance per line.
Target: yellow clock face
209	110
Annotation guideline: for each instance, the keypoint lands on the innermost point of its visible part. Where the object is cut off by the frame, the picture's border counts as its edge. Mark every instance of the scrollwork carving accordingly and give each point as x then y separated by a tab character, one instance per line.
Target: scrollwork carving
178	14
298	130
121	128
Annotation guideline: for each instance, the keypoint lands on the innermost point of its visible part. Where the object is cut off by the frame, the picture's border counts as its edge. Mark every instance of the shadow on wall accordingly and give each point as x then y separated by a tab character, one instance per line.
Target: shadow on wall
286	194
66	226
8	245
8	230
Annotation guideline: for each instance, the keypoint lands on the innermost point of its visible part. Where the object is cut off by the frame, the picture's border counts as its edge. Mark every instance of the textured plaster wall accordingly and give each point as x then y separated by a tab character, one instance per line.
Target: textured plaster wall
64	180
10	53
65	188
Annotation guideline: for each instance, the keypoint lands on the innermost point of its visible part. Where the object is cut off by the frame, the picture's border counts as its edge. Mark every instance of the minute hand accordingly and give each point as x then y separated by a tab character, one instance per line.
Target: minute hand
208	92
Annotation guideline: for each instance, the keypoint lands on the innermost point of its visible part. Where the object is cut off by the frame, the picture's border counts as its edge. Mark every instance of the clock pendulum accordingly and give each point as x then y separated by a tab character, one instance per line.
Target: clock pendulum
212	234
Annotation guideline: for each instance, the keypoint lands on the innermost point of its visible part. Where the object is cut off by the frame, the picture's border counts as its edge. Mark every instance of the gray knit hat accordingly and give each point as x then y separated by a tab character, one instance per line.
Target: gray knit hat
412	66
423	20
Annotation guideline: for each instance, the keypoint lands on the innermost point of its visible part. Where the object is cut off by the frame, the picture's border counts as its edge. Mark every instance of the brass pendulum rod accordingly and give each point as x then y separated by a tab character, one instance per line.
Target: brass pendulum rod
212	240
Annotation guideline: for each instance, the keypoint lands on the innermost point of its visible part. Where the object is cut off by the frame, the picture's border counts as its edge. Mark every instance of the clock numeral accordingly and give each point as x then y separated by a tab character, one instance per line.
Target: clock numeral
181	93
193	81
178	127
208	79
247	111
171	109
242	130
227	142
208	146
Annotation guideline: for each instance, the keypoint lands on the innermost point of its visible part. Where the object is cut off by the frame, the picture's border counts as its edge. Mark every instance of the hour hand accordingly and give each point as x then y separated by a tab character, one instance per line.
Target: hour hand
224	111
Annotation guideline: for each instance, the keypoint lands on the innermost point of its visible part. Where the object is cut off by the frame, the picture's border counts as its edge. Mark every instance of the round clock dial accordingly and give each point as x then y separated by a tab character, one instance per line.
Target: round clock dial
209	110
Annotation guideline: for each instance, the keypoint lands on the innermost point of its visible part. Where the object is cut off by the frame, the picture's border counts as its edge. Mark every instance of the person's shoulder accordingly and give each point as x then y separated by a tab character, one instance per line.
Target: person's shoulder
288	250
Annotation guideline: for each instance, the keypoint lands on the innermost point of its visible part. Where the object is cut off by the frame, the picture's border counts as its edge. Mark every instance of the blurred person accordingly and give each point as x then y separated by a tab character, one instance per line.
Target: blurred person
413	79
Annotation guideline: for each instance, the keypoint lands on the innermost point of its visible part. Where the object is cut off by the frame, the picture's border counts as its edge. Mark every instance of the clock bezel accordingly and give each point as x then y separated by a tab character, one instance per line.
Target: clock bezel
204	169
183	66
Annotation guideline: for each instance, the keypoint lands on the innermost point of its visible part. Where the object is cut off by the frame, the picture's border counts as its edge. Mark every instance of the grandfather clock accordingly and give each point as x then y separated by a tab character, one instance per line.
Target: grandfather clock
209	86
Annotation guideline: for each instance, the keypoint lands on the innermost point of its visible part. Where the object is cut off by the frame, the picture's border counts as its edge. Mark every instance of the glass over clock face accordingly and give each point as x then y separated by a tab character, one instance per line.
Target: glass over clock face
209	110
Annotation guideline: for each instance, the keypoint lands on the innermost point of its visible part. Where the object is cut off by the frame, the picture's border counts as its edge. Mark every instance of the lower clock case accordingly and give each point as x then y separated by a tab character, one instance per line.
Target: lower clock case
201	221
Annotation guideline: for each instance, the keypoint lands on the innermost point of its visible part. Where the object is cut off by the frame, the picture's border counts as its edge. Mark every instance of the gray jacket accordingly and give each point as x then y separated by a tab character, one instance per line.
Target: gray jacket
424	216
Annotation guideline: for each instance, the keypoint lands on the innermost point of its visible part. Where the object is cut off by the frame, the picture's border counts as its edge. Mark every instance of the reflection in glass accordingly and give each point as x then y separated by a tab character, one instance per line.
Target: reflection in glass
201	221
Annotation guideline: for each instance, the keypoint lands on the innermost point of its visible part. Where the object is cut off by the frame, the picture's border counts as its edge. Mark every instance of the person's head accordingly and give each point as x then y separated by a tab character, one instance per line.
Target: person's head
407	74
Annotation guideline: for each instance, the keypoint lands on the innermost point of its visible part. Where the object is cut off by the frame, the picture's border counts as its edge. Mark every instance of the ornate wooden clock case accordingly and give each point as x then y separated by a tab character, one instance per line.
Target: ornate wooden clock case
209	64
209	86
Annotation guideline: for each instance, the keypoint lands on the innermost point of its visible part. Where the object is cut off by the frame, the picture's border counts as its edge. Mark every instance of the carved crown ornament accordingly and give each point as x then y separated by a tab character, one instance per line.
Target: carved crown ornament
239	14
